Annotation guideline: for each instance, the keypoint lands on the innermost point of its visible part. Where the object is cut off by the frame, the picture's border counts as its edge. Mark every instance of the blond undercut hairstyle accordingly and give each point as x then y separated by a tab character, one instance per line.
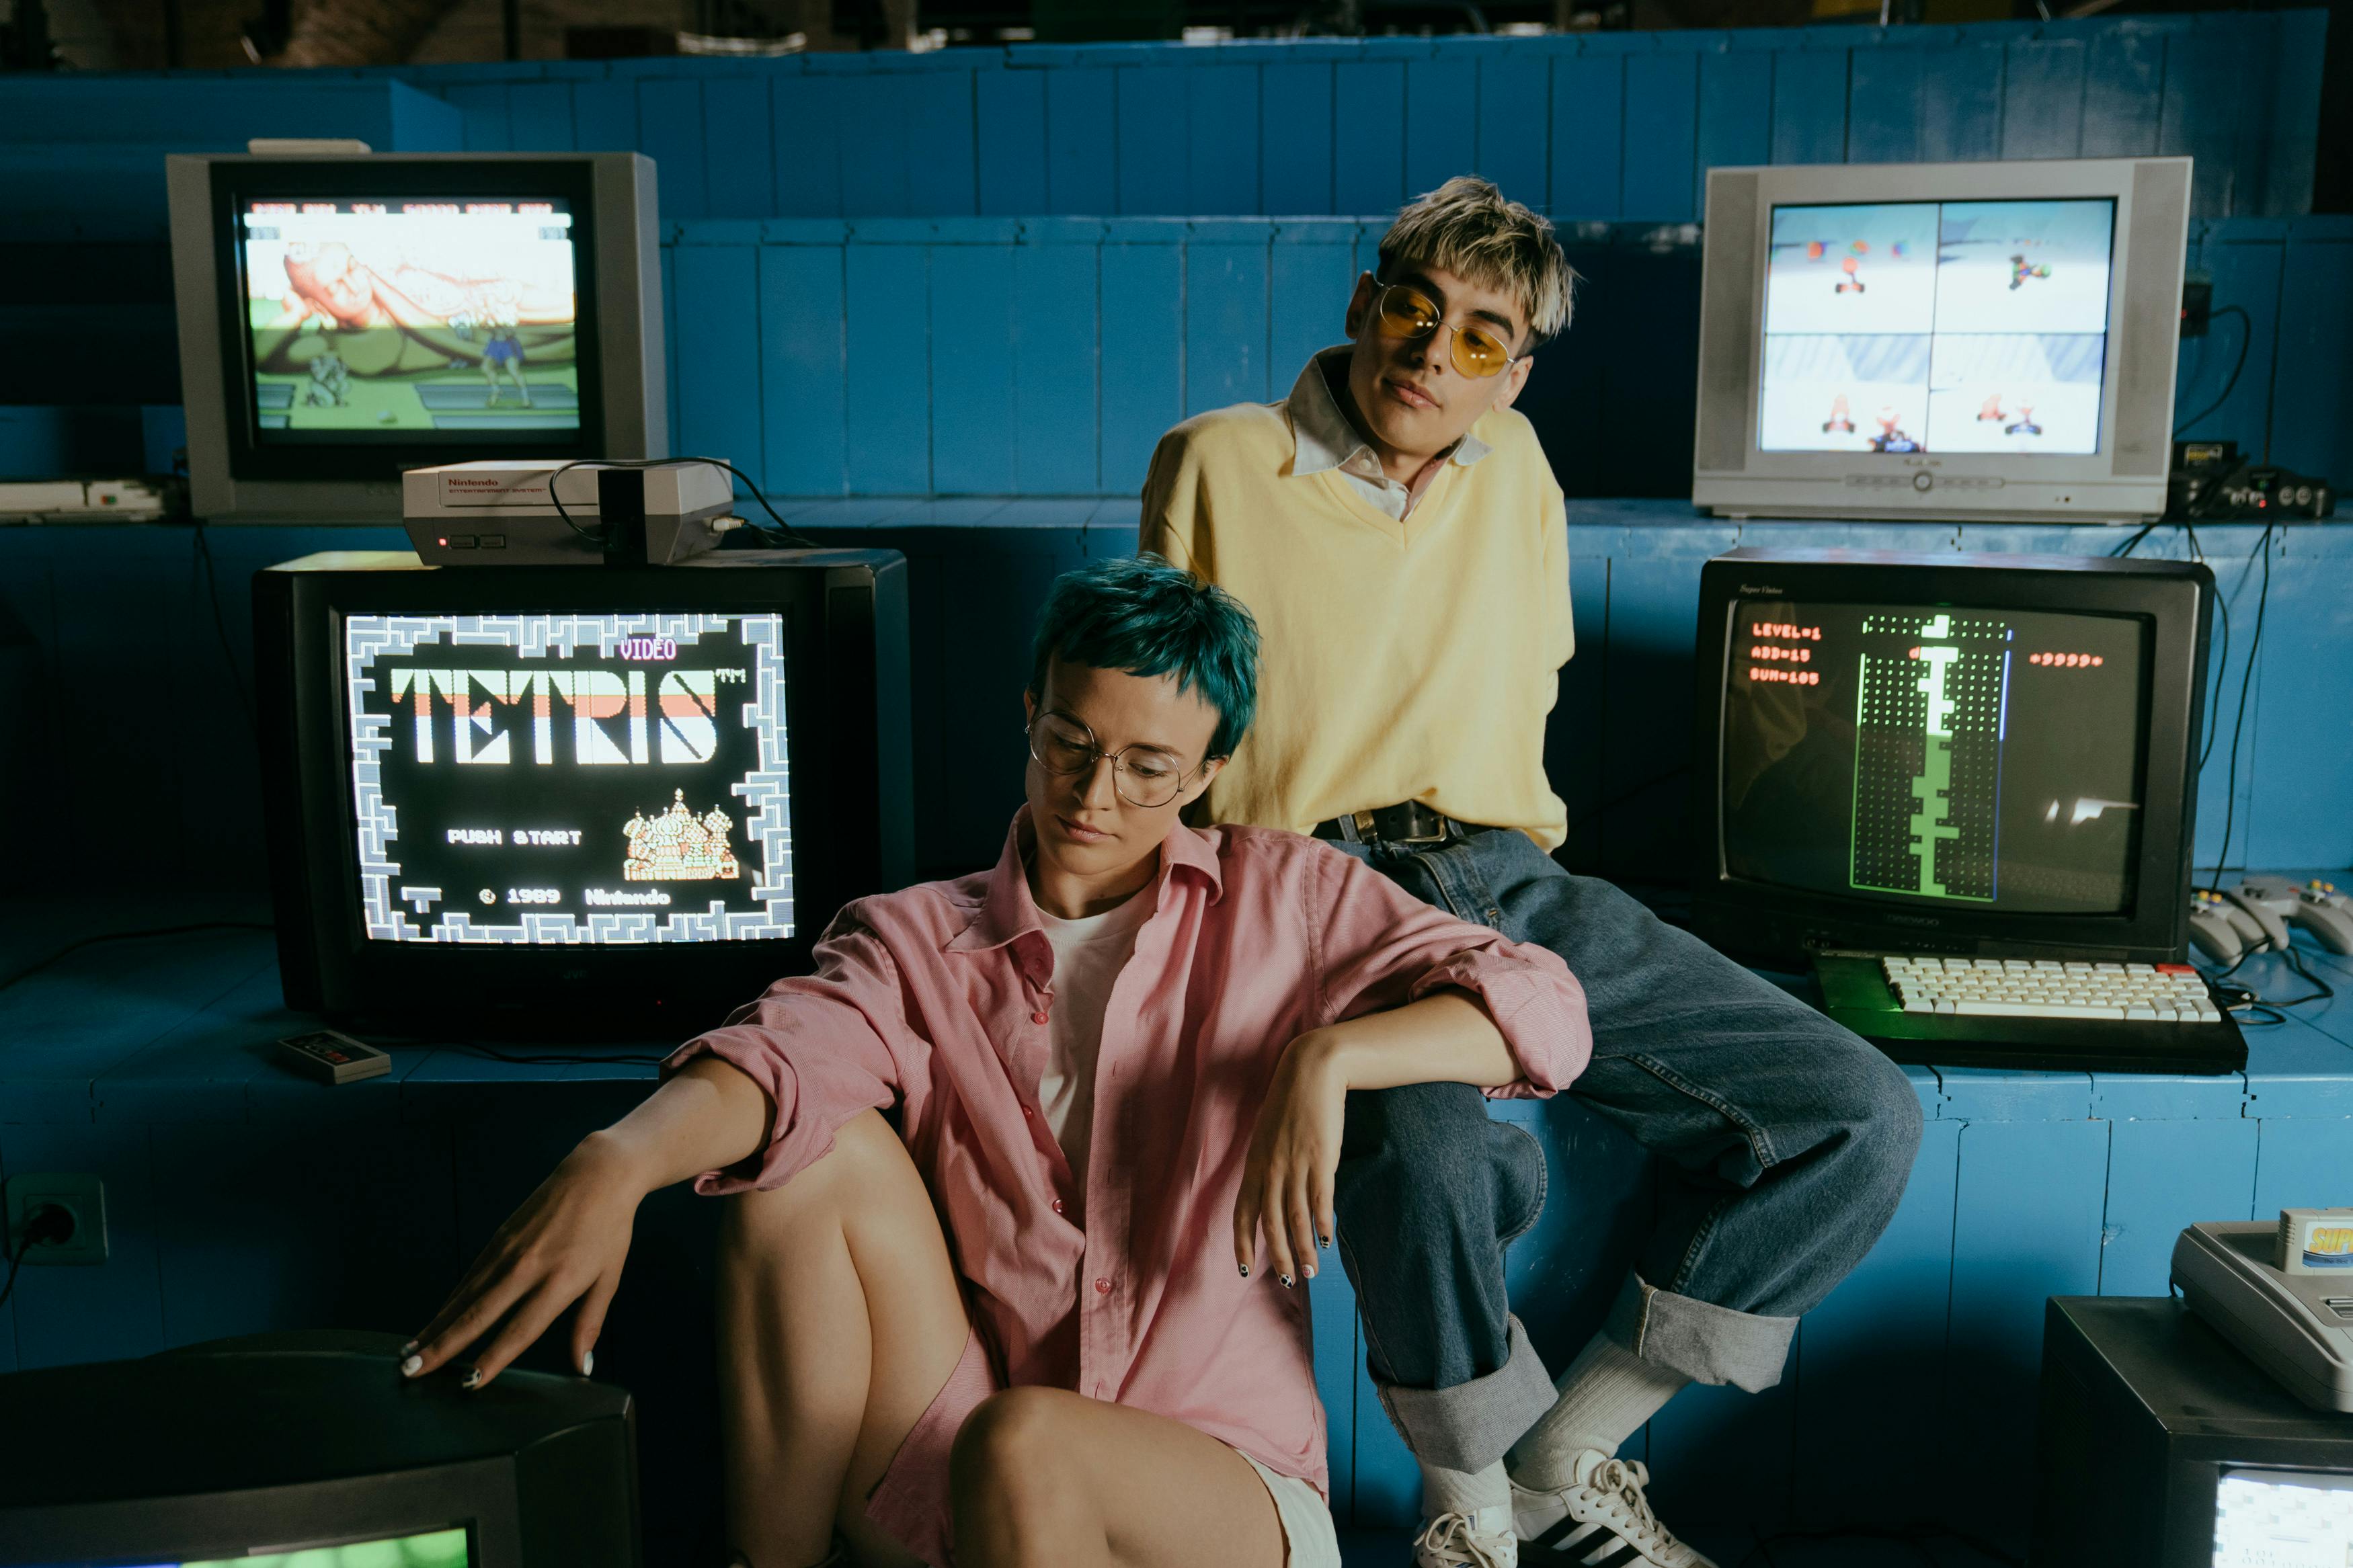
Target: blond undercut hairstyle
1469	227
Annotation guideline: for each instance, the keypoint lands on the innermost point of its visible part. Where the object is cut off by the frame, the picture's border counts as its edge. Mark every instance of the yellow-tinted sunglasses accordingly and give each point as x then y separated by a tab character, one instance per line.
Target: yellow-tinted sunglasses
1405	311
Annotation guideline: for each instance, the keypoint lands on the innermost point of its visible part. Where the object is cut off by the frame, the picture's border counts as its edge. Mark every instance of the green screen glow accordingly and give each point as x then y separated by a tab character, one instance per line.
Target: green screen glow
435	1548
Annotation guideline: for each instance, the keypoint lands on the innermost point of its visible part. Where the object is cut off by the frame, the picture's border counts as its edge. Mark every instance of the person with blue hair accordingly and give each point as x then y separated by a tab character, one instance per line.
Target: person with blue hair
998	1172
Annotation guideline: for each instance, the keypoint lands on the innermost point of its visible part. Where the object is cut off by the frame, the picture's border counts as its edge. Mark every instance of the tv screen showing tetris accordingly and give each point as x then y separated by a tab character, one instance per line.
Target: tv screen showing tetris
570	778
1905	327
382	318
1914	754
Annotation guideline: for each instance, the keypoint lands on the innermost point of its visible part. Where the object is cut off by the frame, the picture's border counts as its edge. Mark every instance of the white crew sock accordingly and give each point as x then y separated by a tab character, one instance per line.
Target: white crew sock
1462	1491
1606	1394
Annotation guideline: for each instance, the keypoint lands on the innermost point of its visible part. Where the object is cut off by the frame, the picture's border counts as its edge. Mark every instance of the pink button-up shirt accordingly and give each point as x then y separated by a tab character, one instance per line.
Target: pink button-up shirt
938	999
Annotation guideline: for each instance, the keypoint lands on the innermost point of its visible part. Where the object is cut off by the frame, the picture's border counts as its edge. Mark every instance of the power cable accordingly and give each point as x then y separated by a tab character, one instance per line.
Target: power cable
2246	336
2239	719
47	1222
203	555
783	533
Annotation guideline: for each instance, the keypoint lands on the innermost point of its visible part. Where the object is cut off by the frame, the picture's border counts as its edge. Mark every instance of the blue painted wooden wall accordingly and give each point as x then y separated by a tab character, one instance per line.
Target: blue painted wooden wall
130	729
1043	357
1610	125
944	164
995	356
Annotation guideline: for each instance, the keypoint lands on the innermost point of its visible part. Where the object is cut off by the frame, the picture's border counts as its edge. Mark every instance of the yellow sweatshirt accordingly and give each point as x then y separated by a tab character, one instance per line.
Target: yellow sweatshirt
1403	661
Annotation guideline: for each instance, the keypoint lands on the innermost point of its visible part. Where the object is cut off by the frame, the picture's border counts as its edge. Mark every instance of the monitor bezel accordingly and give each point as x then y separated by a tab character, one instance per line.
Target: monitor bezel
1935	483
621	988
570	179
1771	921
475	1495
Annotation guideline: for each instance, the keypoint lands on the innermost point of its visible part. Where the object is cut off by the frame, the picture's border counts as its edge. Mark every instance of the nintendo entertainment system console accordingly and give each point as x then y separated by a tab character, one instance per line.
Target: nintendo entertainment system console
545	513
2282	1292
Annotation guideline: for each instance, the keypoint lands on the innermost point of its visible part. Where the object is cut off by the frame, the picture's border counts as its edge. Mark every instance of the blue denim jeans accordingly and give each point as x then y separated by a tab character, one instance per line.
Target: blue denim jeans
1783	1143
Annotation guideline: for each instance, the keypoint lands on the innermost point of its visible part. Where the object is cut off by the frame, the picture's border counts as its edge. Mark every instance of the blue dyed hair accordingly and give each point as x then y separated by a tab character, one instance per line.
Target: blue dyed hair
1140	614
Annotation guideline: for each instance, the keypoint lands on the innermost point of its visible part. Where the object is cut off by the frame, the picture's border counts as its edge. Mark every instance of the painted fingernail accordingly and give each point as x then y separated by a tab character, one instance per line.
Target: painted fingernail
1324	1242
587	1363
412	1366
472	1380
1287	1280
1245	1270
409	1349
1309	1271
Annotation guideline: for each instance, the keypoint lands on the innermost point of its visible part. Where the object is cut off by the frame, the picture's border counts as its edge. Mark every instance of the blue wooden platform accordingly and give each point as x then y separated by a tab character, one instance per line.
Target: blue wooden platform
241	1198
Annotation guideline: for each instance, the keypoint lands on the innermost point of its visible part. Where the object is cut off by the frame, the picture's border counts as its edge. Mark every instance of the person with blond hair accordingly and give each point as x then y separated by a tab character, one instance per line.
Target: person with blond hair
1395	528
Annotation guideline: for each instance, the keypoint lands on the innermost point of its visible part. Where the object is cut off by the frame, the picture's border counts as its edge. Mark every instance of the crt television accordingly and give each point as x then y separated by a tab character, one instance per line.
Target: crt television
628	795
306	1451
1977	755
345	318
2158	1444
1940	340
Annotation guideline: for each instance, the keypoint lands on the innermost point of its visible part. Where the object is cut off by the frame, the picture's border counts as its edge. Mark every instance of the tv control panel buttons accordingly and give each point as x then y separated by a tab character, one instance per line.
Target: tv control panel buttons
1921	482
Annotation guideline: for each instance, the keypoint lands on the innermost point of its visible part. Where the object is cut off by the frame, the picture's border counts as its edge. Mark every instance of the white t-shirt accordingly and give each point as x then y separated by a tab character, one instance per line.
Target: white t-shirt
1089	953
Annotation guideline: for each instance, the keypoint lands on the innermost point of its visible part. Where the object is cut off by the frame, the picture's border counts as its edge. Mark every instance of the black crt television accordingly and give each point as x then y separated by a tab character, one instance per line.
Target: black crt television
344	317
1986	754
601	798
307	1450
2160	1445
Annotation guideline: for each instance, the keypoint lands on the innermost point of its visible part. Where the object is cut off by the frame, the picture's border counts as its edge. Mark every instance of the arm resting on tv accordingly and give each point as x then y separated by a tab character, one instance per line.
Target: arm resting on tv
569	1239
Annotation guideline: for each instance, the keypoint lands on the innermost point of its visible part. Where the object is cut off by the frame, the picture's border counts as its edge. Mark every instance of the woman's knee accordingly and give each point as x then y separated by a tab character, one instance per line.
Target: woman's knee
867	1161
1011	1456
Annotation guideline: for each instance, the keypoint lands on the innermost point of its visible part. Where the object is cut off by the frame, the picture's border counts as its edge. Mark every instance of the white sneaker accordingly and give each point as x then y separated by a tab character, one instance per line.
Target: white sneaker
1601	1519
1481	1540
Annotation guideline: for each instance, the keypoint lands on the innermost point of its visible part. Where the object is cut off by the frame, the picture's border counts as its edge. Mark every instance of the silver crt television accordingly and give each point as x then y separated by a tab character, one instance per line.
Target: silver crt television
1988	340
345	318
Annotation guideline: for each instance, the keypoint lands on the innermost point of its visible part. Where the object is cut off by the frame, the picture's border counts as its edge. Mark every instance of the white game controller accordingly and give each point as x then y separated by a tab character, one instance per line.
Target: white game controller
2316	906
2225	929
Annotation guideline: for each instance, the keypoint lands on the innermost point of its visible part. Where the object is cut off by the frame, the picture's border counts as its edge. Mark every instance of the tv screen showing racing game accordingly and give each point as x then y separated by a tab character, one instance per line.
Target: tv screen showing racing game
1952	327
569	778
383	318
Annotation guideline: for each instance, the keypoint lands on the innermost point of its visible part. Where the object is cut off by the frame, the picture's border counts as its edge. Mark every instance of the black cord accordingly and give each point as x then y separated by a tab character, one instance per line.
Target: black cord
204	561
2129	545
2222	661
2321	989
72	947
38	1226
2246	336
16	1263
2239	720
783	533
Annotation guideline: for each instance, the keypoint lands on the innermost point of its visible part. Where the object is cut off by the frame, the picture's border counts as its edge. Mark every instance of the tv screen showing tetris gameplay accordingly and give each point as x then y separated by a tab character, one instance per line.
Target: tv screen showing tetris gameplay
570	778
390	317
1904	752
1936	327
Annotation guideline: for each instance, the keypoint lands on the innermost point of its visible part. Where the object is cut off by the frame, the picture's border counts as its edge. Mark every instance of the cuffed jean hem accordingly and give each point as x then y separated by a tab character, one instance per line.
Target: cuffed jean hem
1705	1342
1470	1425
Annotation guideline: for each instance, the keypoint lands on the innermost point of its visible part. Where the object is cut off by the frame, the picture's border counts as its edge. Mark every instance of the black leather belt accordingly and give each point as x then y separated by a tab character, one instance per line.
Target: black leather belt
1410	823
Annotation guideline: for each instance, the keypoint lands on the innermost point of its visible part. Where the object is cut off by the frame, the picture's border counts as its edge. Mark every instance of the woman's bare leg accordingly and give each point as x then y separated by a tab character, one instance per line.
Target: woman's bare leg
1044	1476
839	1321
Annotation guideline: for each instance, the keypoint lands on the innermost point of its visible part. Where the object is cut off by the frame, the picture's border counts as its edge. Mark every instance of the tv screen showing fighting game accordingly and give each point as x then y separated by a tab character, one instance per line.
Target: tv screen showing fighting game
567	778
1942	327
386	318
1909	753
